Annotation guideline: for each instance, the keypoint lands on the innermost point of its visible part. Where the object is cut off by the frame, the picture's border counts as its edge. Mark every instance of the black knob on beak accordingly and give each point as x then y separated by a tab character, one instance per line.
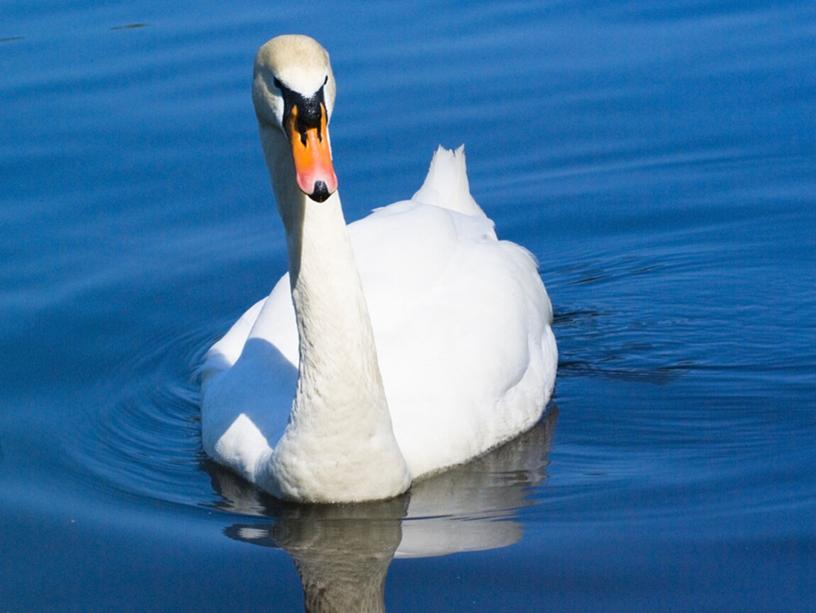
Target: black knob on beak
321	192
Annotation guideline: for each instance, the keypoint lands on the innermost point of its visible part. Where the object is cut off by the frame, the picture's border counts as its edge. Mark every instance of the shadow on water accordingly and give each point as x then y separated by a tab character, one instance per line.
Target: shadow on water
612	354
131	26
658	375
343	552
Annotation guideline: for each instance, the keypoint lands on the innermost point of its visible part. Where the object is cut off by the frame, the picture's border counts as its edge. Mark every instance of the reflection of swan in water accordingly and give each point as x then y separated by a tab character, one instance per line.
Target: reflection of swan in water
342	552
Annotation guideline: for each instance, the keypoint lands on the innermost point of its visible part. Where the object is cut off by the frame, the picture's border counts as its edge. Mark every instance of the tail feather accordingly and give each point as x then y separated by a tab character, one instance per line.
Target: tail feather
447	184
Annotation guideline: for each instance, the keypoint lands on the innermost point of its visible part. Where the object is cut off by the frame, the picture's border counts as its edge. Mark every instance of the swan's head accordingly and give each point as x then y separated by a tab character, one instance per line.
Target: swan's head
293	90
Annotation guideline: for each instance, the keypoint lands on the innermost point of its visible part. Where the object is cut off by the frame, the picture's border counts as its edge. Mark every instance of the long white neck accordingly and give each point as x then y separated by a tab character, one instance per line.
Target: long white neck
339	444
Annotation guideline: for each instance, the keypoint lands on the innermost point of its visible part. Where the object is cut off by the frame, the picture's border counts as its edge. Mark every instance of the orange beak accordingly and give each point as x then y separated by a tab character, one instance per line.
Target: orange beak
312	157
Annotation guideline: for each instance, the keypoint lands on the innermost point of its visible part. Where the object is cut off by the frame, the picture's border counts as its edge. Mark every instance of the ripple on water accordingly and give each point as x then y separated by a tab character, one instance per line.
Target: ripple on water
146	441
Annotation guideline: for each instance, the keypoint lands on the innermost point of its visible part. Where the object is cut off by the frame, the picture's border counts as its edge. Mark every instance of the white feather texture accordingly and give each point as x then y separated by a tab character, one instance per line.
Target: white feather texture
412	340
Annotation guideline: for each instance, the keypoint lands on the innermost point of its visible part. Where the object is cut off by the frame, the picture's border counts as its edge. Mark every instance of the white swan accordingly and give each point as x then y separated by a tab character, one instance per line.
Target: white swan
402	344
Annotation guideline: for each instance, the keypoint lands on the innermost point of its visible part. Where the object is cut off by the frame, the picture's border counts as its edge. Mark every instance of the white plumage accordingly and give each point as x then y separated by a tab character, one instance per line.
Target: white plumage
461	336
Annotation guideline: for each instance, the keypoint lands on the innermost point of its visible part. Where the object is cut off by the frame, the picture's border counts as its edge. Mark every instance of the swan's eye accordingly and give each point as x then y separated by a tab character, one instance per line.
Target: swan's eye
326	80
277	83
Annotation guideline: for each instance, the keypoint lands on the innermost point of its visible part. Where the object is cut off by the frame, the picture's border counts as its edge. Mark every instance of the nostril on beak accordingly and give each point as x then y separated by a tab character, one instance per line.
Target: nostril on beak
321	192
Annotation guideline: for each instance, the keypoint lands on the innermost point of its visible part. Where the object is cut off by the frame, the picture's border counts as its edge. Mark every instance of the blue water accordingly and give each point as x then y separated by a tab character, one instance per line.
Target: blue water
658	158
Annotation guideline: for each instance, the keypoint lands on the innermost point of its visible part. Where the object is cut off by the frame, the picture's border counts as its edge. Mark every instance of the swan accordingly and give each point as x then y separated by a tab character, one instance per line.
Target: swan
397	346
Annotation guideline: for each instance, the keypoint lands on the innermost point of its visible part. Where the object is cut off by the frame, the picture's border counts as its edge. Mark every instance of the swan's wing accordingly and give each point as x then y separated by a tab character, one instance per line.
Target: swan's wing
248	383
462	323
271	318
225	352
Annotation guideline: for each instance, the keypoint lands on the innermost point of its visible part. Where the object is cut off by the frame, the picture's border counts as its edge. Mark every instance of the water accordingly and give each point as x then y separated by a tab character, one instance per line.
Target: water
659	161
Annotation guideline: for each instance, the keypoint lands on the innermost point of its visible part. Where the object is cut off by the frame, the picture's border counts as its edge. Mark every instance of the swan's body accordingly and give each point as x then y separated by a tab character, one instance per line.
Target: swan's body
410	341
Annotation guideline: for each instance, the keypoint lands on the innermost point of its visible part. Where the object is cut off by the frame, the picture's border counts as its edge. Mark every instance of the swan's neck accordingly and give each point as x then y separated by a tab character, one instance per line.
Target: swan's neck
339	443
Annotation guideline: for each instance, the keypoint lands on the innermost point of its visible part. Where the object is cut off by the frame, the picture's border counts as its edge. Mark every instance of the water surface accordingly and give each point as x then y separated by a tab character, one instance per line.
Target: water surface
657	159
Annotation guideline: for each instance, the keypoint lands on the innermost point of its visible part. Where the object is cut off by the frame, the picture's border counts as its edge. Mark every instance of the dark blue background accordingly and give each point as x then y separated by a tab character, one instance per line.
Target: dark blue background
659	160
